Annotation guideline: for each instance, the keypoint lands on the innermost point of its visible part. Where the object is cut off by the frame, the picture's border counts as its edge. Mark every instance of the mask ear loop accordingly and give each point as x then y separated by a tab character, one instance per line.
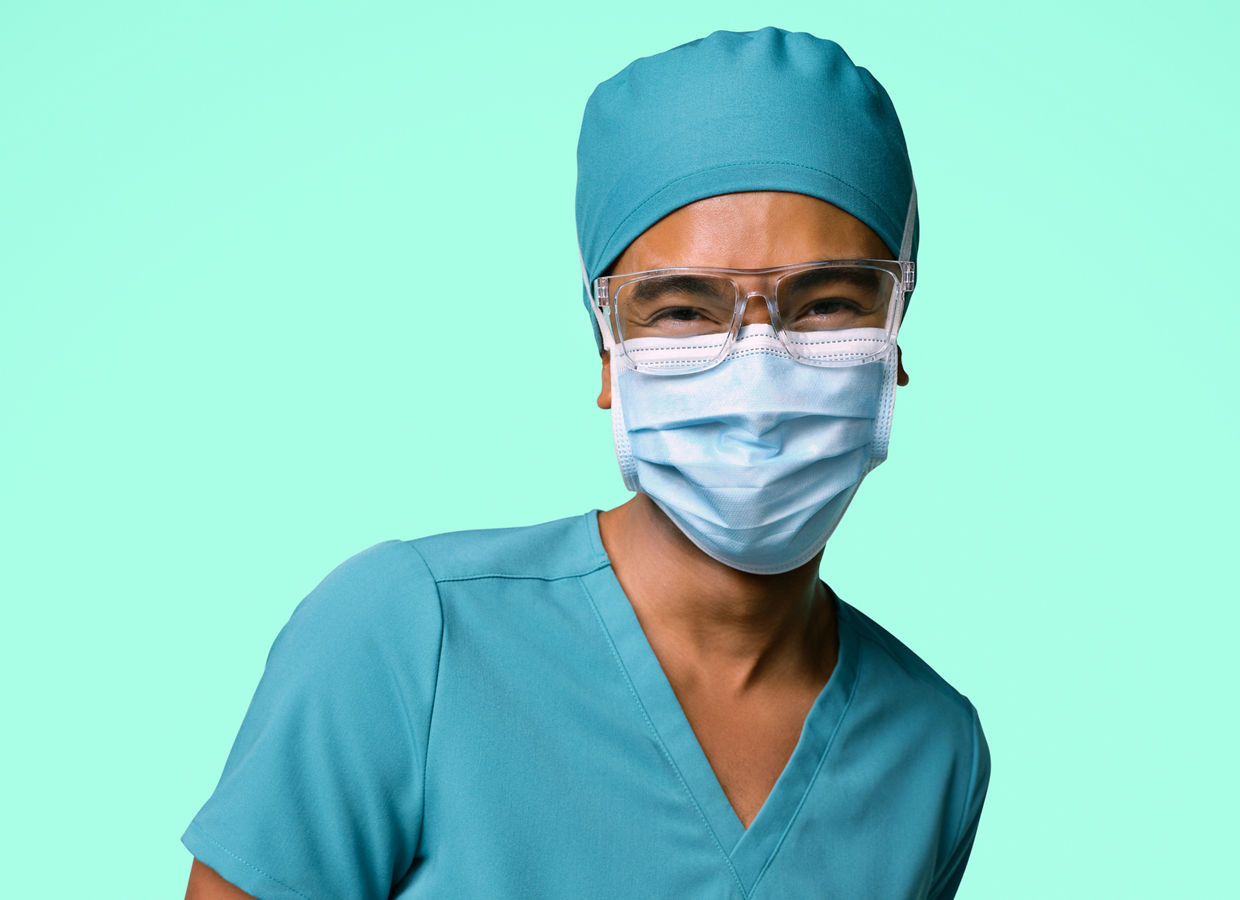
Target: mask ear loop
620	434
887	398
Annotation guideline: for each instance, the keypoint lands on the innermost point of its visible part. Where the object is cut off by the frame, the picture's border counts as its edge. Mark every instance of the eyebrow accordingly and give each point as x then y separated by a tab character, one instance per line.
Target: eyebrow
857	275
650	288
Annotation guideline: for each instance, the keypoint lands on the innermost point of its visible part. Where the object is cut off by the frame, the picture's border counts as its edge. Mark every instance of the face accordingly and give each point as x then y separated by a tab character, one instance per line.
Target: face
753	230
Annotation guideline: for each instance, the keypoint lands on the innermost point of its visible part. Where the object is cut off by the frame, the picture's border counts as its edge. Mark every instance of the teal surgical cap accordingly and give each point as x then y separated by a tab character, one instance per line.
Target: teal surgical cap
767	110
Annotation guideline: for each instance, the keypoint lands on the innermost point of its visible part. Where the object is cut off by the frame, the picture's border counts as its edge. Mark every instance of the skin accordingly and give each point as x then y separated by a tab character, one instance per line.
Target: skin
206	884
746	655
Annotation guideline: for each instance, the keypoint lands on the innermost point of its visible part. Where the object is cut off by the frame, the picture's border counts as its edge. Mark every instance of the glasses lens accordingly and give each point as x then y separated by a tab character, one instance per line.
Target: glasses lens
674	306
832	298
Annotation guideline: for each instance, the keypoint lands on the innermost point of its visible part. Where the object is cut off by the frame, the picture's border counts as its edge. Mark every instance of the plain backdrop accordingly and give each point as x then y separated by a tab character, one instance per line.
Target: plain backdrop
283	280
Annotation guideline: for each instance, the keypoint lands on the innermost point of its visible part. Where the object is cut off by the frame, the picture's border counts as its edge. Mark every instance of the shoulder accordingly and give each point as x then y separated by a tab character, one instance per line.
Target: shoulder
892	657
390	593
367	599
894	677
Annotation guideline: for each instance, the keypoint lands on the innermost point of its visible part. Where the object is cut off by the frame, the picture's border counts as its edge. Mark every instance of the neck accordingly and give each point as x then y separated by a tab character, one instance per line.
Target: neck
706	619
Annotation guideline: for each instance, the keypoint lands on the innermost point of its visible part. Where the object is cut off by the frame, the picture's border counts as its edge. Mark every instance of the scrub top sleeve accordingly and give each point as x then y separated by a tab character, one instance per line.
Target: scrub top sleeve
321	796
948	881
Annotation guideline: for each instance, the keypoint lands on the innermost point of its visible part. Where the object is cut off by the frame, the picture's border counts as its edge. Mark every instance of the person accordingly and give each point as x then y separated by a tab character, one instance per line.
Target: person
662	699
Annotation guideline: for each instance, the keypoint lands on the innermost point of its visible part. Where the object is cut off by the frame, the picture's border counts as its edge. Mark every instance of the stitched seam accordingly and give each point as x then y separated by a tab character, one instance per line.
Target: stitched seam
430	719
245	862
816	341
964	809
713	345
413	740
813	778
800	341
628	680
772	351
510	577
973	767
752	162
667	364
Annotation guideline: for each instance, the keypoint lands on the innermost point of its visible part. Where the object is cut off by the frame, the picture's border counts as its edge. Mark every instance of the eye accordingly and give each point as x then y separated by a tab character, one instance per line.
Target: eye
835	298
679	313
830	306
835	309
681	305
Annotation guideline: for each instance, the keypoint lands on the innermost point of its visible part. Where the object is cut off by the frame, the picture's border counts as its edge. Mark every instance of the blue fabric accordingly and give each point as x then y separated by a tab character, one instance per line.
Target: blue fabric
761	110
479	715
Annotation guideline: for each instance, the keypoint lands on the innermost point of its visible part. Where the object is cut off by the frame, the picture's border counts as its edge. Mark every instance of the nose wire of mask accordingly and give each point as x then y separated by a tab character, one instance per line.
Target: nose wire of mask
757	458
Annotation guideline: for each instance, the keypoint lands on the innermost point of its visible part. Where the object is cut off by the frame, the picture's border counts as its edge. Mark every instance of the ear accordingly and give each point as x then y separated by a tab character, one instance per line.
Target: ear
604	395
901	375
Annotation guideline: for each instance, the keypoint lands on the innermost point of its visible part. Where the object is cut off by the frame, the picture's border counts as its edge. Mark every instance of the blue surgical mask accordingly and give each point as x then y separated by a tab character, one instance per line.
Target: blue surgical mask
755	459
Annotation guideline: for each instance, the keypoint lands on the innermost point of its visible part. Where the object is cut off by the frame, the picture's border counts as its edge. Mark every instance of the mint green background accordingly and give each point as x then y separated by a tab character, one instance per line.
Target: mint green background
242	250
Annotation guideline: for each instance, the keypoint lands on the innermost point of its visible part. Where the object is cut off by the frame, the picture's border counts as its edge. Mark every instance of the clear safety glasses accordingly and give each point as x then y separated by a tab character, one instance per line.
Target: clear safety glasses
826	313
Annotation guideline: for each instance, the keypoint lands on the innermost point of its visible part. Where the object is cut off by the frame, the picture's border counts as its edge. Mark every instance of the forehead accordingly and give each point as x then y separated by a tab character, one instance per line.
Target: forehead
752	230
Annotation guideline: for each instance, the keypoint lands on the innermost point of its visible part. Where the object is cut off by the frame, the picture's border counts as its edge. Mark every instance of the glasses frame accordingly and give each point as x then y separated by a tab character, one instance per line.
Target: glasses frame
904	274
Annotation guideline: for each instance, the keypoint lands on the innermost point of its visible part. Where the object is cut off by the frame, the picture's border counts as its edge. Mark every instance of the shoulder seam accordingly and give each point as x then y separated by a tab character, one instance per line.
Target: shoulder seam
482	576
966	809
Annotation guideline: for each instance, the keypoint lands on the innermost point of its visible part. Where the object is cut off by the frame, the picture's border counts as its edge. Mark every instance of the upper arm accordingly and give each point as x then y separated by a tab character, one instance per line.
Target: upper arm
206	884
322	792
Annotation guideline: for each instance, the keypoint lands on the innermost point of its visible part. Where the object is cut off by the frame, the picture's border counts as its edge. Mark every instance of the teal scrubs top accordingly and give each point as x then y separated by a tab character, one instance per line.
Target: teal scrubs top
479	715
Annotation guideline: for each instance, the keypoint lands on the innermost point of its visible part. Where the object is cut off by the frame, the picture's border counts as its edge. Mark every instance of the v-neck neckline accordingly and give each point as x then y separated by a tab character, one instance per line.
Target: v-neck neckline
749	850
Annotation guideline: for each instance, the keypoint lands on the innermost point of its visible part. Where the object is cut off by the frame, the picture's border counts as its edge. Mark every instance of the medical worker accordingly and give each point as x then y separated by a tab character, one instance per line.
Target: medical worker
662	700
